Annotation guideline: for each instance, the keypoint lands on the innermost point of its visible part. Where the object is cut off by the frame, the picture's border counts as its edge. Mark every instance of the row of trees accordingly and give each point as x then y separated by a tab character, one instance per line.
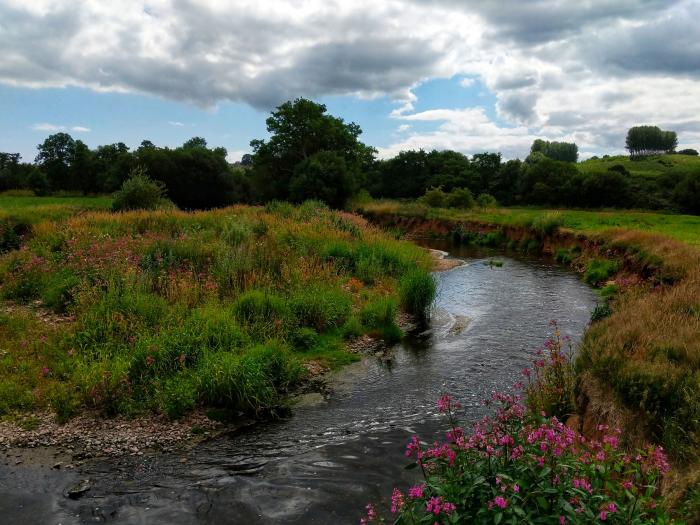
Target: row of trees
313	155
650	140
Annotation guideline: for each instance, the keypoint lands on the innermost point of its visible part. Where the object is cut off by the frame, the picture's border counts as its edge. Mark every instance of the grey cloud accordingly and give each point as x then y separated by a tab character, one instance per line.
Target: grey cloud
514	81
519	107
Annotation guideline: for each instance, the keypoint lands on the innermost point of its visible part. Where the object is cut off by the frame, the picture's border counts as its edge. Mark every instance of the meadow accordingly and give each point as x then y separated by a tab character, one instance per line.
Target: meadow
650	166
167	311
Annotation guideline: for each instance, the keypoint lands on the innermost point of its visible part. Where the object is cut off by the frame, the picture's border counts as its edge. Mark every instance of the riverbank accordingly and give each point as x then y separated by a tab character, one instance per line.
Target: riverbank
640	360
166	313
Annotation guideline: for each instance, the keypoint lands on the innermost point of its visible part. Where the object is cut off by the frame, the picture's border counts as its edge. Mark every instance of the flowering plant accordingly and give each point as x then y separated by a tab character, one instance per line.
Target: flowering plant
519	467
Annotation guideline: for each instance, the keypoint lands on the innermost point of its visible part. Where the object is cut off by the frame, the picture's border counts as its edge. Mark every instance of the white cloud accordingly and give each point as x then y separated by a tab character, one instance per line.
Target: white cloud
403	128
45	126
176	123
584	71
80	129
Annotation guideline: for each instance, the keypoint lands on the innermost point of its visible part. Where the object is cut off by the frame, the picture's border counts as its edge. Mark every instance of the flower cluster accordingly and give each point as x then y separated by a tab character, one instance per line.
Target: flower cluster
518	467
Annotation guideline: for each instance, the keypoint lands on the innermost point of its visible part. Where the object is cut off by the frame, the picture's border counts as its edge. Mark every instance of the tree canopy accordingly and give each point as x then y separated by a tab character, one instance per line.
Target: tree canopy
650	140
562	151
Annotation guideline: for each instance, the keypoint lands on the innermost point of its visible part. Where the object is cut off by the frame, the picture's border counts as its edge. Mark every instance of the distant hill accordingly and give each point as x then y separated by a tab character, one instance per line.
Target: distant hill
648	167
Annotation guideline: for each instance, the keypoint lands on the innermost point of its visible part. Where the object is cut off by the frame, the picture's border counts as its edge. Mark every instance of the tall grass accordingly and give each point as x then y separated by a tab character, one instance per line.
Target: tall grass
167	310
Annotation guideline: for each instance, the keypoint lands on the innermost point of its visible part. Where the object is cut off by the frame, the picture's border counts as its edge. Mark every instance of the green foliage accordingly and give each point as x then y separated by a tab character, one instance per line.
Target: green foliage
460	198
434	197
687	193
601	311
650	140
417	290
379	316
598	270
320	307
14	396
546	224
486	200
561	151
309	154
139	193
324	176
178	396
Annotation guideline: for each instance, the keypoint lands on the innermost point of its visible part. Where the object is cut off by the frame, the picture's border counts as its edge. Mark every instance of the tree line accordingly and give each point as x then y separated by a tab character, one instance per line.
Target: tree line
311	154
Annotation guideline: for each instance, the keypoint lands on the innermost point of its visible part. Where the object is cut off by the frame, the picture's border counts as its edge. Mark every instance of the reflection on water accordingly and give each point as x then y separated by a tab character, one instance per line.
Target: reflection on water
328	459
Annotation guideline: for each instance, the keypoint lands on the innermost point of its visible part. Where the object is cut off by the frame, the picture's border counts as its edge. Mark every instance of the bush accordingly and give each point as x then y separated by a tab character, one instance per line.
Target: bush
304	338
460	198
417	290
486	201
434	197
140	193
688	151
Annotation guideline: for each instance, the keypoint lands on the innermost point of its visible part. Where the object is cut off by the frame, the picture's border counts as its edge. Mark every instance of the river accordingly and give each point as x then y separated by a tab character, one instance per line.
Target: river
332	456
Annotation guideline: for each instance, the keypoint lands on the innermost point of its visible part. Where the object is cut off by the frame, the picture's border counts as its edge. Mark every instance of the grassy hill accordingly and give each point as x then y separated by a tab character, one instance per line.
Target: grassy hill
649	167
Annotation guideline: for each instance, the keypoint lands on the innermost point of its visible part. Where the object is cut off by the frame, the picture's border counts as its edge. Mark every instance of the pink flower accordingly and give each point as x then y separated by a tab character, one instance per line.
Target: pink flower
562	520
416	491
45	371
612	508
500	502
603	515
397	501
433	505
448	507
516	488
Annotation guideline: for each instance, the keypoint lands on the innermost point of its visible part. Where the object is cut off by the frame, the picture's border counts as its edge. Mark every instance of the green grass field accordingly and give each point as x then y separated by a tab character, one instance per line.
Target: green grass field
684	228
650	167
30	209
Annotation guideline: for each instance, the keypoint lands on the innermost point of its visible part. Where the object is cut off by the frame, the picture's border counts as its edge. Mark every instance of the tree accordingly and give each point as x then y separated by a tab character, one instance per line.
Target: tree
687	193
650	140
561	151
325	177
195	142
55	156
298	131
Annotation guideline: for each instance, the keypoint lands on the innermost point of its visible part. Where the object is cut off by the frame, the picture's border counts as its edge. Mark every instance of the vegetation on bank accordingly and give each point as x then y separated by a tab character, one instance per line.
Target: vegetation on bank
642	353
166	310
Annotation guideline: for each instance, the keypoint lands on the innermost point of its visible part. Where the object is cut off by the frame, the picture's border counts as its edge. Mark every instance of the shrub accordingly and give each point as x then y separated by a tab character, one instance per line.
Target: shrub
601	311
304	338
459	198
521	468
434	197
140	193
417	290
563	256
486	200
688	151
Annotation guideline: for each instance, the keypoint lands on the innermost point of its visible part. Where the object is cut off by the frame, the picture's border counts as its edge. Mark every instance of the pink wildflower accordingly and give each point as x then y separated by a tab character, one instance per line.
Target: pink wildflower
416	491
434	505
500	502
397	501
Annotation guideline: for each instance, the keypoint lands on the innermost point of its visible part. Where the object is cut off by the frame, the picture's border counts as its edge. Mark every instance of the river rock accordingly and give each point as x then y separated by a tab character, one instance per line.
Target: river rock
78	490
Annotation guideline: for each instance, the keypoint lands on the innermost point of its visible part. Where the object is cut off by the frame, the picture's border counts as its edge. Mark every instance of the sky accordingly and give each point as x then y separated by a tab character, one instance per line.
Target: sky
467	75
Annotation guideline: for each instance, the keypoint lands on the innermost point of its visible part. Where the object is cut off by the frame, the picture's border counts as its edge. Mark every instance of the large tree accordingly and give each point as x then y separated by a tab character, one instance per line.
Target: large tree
299	130
562	151
55	156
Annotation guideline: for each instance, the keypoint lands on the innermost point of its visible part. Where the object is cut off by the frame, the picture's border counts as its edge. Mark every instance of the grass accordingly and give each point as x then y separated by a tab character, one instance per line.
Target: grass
165	311
683	228
648	167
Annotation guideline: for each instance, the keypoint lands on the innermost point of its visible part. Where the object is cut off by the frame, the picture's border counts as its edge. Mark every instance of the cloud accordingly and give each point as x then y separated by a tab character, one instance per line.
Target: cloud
581	71
55	128
45	126
176	123
467	130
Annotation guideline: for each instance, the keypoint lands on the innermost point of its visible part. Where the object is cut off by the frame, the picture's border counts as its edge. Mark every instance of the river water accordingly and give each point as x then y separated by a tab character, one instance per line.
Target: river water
332	456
